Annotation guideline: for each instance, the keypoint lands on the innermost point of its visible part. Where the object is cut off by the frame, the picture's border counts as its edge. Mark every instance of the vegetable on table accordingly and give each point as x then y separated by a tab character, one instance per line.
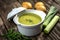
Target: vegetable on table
27	4
12	35
51	11
40	6
50	15
46	22
51	24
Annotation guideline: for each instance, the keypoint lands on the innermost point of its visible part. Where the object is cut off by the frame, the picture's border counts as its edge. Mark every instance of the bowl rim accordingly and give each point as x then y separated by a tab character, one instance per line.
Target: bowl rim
20	24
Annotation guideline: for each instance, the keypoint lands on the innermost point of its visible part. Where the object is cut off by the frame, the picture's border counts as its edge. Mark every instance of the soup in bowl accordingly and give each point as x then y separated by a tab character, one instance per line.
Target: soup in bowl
29	22
29	19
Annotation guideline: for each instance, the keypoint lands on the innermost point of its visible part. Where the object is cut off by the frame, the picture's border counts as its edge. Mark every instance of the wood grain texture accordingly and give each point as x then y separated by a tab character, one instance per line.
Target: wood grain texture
7	5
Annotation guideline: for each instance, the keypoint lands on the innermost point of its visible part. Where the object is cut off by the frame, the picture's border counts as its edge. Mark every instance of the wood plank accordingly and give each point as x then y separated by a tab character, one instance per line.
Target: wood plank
8	8
2	29
9	5
1	22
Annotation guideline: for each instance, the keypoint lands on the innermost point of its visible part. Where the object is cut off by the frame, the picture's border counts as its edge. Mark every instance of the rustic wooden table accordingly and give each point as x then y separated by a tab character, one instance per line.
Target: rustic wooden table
7	5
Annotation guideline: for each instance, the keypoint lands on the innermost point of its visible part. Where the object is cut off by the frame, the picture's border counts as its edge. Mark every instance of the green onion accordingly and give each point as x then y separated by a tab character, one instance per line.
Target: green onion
51	24
51	11
46	22
12	35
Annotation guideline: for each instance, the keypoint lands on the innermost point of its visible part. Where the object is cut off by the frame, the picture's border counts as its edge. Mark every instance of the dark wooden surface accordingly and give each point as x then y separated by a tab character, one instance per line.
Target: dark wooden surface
7	5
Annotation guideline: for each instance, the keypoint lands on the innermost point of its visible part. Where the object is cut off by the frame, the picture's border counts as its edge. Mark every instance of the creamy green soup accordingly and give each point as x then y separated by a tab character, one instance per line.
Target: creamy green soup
29	19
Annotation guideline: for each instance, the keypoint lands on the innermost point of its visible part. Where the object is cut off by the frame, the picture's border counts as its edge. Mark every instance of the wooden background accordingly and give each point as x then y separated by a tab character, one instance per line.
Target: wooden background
7	5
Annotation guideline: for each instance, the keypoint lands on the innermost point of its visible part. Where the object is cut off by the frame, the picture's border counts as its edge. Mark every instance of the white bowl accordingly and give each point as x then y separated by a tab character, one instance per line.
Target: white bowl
30	30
